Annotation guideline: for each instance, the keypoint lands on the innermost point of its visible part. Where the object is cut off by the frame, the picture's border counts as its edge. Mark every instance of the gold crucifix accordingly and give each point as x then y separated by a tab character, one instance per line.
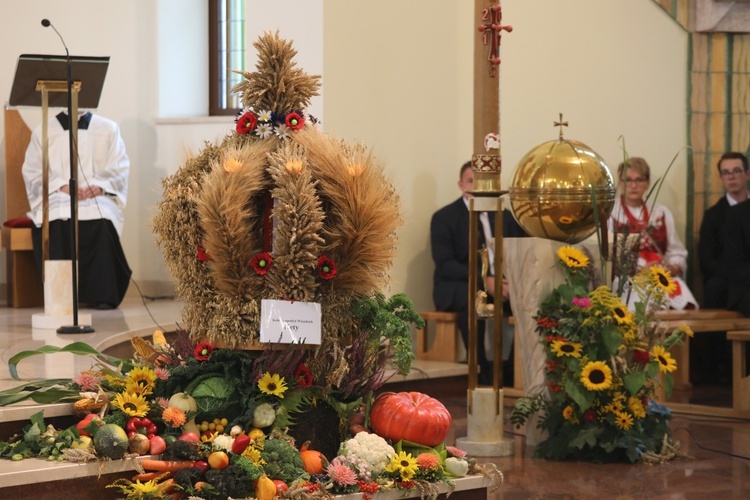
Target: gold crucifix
560	124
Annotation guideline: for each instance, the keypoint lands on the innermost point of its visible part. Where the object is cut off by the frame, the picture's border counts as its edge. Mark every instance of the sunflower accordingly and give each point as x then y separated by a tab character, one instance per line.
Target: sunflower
133	405
565	348
596	376
140	380
667	363
273	385
404	464
662	279
622	315
572	257
636	407
253	454
623	420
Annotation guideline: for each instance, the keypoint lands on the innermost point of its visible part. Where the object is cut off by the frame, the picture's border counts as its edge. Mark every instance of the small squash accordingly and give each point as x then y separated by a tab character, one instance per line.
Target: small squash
313	461
265	489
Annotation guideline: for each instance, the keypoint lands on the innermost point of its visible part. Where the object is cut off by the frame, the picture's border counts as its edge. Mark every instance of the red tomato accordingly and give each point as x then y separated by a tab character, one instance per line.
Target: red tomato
157	445
202	465
280	485
190	437
412	416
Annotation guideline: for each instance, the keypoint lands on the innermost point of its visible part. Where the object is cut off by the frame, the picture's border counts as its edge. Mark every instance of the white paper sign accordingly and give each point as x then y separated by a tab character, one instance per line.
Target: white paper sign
285	322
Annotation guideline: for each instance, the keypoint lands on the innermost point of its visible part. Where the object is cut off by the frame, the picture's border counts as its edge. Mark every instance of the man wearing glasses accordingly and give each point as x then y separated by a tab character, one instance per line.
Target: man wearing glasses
734	176
720	237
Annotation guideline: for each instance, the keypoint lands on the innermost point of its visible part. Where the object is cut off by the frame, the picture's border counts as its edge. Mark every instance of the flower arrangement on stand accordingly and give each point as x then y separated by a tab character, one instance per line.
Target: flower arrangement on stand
604	366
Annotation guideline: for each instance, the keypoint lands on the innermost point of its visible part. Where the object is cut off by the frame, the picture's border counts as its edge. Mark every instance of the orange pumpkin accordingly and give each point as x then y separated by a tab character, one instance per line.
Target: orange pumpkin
412	416
313	461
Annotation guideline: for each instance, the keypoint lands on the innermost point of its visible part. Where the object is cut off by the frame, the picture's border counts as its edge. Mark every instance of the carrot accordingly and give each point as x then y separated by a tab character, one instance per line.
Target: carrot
167	486
149	476
166	465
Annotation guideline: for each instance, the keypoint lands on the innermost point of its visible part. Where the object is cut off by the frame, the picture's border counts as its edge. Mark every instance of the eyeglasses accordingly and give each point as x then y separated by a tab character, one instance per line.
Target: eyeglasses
736	171
637	180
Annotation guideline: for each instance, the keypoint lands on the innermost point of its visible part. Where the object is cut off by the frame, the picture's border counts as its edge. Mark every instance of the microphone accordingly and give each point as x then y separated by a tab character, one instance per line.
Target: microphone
46	23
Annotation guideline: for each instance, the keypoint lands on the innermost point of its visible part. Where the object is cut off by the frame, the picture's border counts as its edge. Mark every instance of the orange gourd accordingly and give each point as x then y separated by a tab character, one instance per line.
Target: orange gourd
313	461
265	489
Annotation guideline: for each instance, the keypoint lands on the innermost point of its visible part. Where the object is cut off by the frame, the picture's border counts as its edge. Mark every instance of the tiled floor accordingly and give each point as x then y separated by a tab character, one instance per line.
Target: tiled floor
712	473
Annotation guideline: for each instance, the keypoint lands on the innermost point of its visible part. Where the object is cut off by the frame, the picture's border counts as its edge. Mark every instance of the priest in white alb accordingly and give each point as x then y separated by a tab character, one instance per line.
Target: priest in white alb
103	169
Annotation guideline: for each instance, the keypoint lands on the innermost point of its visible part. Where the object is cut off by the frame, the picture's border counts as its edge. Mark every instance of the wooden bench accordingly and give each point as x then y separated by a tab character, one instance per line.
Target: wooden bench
740	377
701	321
24	285
444	346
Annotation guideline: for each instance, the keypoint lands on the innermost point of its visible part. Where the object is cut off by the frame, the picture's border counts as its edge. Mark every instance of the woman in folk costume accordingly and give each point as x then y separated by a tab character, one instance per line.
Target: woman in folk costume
651	229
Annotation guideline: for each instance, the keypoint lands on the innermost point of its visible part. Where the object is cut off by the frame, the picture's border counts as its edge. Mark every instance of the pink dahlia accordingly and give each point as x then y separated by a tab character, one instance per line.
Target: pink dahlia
161	373
341	474
456	452
87	381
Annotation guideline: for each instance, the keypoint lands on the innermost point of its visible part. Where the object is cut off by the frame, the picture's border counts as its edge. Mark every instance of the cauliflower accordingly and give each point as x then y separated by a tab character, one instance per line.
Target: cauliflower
223	442
371	448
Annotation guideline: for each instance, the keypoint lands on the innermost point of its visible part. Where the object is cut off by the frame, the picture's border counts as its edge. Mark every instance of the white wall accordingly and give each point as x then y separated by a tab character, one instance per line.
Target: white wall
397	75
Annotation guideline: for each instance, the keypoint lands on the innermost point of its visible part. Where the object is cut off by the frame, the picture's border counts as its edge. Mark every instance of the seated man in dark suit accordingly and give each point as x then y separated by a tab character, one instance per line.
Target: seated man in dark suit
711	355
733	169
449	237
737	257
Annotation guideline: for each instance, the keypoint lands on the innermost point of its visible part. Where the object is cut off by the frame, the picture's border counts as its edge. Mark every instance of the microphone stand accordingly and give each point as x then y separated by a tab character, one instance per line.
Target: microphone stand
73	188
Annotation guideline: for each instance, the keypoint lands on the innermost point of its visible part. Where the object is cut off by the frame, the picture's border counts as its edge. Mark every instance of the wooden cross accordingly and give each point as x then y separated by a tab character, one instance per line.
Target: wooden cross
491	30
560	123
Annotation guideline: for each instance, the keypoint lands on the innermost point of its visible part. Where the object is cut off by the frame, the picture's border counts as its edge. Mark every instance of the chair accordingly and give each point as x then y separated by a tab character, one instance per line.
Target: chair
25	288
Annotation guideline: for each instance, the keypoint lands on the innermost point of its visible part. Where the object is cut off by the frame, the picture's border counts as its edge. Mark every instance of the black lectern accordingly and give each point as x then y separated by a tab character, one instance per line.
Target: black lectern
60	81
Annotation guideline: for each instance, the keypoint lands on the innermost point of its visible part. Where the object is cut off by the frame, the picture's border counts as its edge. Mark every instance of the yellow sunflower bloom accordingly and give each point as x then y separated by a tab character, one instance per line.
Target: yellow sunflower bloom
623	420
622	315
572	257
636	407
404	464
596	376
273	385
140	380
134	405
564	348
662	279
667	363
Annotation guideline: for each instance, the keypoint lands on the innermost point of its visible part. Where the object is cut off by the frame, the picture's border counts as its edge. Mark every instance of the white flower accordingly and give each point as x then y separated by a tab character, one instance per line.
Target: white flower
223	442
264	115
282	131
264	130
456	466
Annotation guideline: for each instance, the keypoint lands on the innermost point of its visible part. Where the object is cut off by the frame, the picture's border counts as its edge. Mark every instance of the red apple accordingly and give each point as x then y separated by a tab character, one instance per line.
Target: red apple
157	445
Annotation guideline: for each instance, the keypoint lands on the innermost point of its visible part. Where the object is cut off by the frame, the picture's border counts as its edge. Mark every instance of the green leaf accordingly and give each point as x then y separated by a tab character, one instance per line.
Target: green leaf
580	395
585	437
612	339
634	381
79	348
668	385
25	391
